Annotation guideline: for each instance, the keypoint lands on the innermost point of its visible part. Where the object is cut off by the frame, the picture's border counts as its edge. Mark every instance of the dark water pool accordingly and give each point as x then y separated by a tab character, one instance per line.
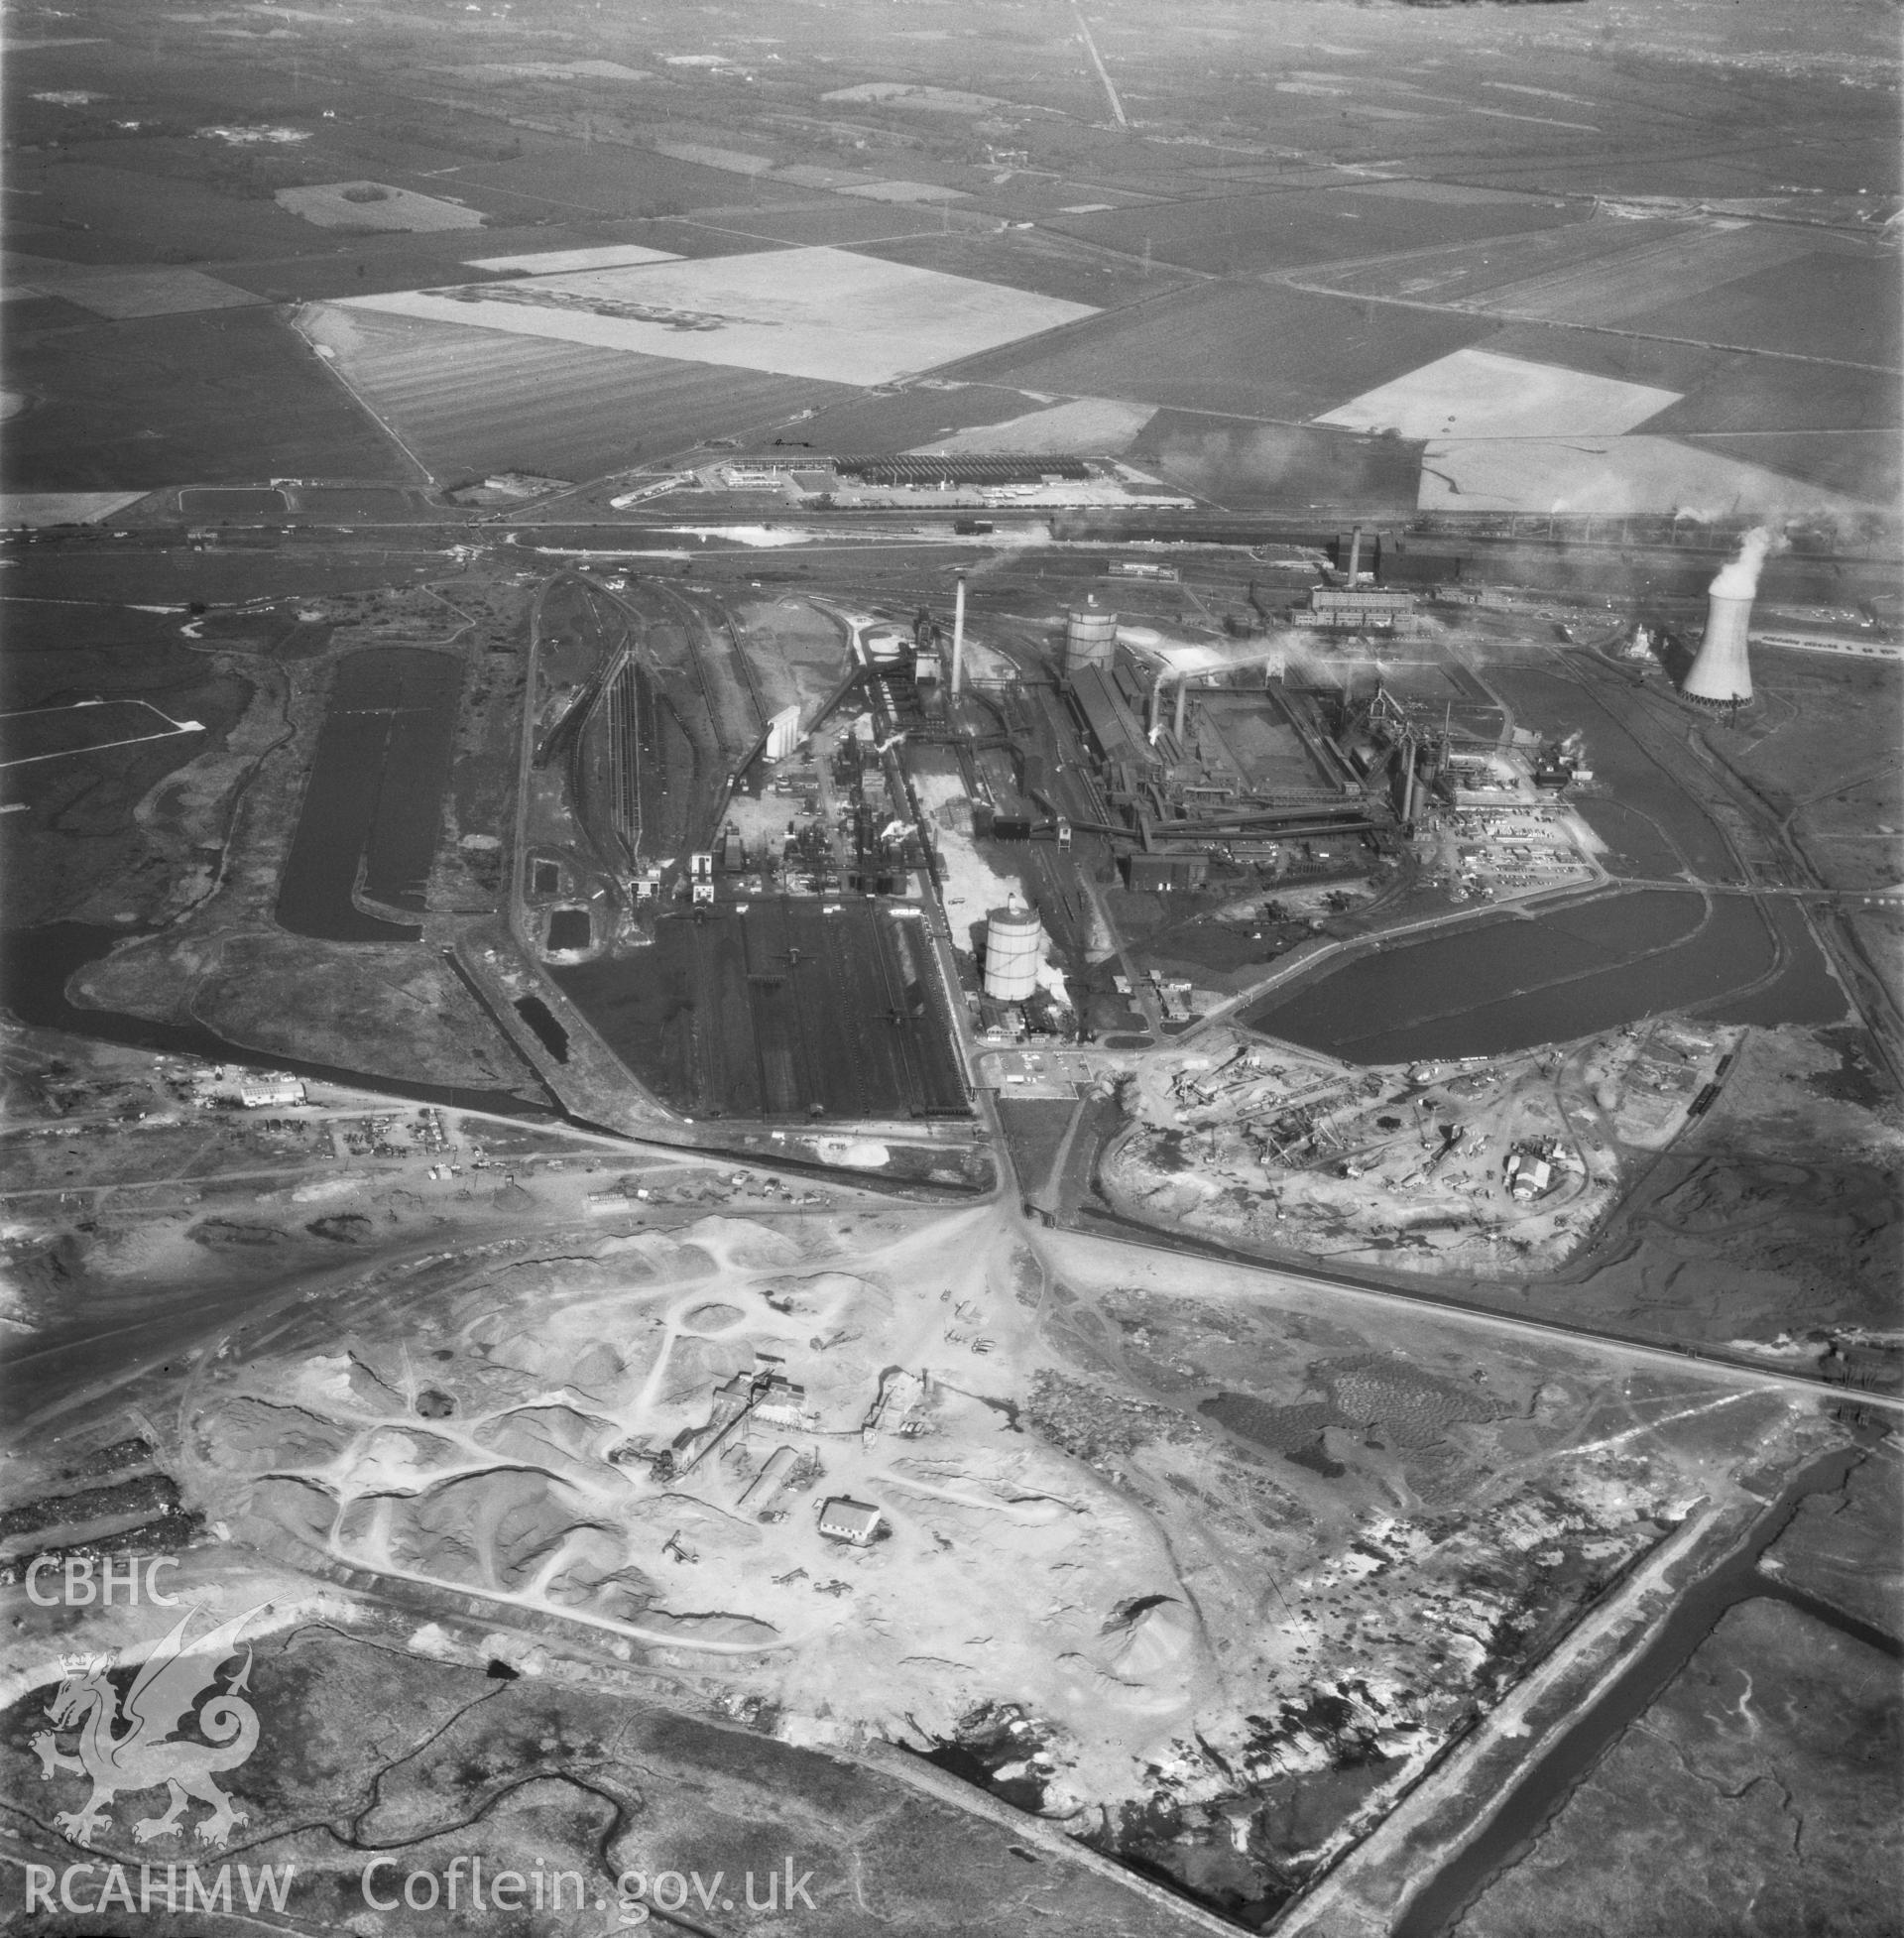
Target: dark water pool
373	804
1647	820
1511	984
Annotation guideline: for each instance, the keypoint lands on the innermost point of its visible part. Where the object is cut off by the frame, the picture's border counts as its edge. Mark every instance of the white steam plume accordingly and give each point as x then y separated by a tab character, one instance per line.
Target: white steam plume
1738	577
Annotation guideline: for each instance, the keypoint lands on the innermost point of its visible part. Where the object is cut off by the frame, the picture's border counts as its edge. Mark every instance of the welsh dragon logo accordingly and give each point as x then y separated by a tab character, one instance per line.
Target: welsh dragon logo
138	1748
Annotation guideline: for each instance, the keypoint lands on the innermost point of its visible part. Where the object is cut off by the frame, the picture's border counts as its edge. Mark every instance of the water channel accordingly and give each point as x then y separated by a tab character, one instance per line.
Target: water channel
1551	1779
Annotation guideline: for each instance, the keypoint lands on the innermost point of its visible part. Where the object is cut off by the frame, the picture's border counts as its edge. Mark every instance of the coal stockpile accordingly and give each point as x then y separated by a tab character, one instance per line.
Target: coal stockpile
373	803
783	1012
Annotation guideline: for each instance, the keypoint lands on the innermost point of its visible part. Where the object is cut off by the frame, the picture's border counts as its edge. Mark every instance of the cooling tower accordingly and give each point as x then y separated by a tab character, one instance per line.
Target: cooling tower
1721	674
1013	948
1090	638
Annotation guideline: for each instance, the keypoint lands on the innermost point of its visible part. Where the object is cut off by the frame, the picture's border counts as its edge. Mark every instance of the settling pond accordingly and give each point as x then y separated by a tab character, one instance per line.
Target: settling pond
373	804
1512	983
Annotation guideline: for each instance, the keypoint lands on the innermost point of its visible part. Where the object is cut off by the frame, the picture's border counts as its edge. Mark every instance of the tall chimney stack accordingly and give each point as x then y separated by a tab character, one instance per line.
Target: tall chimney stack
958	634
1354	556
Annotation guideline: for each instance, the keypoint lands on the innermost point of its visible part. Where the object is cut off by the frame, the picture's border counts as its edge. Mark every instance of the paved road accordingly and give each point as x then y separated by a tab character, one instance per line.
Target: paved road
1653	1353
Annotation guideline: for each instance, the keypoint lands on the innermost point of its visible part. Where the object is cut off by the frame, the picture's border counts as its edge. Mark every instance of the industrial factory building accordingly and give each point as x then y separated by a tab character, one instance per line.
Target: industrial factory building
1195	748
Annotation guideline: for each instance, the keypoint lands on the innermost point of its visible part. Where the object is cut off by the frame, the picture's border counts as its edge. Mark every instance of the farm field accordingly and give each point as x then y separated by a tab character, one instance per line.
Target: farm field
1047	265
222	396
1746	393
1477	394
824	313
1597	271
1087	425
1273	353
1617	475
106	211
1248	234
357	265
564	180
820	222
554	262
860	423
373	206
476	401
36	508
1821	305
1866	464
121	294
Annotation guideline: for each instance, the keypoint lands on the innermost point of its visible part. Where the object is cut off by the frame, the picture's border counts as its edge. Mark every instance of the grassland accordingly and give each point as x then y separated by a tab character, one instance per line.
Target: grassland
1085	424
359	265
372	205
1690	1825
817	221
858	422
228	396
98	205
1822	305
1240	351
1244	235
1594	272
1049	266
119	294
80	849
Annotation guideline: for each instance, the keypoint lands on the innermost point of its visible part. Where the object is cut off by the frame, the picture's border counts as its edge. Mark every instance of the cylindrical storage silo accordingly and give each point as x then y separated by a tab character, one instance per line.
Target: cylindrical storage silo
1013	948
1090	638
1722	674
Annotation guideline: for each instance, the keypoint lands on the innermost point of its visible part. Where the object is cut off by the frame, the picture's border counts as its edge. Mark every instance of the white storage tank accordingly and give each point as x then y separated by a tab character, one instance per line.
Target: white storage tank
1090	638
783	733
1014	949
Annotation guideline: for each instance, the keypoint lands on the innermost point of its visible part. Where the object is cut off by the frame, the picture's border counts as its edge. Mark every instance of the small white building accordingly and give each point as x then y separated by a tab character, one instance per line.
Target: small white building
268	1092
852	1522
1528	1177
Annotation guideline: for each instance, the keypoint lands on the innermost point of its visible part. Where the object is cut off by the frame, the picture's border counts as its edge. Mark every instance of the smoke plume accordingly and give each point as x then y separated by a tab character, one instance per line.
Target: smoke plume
1738	577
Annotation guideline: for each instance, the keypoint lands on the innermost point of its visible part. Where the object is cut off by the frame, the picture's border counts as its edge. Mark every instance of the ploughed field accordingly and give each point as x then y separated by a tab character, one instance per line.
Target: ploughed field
476	401
785	1011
